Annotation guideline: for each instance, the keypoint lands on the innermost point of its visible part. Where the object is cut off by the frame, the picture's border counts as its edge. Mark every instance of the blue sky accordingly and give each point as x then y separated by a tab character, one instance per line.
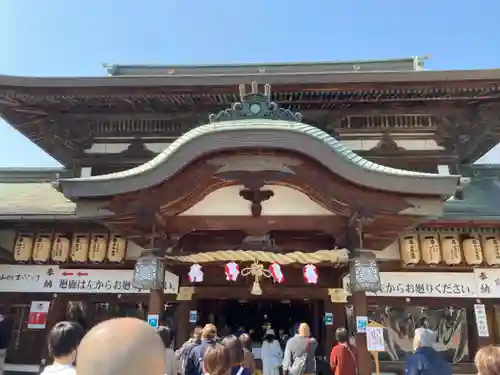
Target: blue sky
73	38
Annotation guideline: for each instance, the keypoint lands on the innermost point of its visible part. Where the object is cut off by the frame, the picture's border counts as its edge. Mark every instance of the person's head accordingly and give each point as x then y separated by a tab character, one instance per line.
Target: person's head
196	334
125	346
487	360
217	360
235	349
165	335
246	341
424	338
304	330
269	336
341	335
209	332
63	341
296	328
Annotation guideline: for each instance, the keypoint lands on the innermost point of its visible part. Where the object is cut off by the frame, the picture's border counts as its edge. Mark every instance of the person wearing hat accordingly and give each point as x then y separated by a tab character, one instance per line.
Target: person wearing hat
271	353
426	359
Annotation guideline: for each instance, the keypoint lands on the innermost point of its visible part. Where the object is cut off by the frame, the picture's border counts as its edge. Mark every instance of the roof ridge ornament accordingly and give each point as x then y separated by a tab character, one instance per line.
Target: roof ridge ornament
255	105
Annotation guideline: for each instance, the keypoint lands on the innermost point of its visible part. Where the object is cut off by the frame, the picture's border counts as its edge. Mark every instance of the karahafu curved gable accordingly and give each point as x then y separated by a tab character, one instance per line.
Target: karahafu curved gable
260	128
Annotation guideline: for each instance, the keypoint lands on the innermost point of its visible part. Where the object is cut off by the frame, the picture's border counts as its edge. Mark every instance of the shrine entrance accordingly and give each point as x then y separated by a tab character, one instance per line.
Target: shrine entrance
258	191
254	316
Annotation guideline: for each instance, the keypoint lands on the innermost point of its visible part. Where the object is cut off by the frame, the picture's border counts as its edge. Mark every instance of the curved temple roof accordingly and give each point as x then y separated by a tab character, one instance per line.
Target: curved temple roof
258	123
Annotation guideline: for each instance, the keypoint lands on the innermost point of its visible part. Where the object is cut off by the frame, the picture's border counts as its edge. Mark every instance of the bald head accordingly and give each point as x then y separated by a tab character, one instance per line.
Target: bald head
125	346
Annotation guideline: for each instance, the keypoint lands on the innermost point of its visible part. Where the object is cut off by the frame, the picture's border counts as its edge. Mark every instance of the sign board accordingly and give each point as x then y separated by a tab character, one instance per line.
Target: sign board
425	284
38	314
488	282
375	339
185	293
193	316
361	324
107	281
481	320
328	319
32	279
337	295
53	279
153	320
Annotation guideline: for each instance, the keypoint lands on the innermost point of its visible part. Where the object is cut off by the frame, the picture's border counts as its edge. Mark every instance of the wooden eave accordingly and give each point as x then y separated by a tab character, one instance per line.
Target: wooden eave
63	115
464	79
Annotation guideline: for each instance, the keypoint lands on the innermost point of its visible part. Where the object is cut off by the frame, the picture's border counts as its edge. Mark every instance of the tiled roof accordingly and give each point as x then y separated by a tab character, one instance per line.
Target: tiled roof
480	198
33	199
261	133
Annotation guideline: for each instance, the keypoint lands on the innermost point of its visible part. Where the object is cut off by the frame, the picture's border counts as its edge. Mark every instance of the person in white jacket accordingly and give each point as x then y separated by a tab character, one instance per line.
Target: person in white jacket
271	354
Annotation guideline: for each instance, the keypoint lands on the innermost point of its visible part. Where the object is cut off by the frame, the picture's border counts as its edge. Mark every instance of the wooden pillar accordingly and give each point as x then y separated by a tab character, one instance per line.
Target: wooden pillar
57	313
492	323
364	357
184	327
156	301
338	311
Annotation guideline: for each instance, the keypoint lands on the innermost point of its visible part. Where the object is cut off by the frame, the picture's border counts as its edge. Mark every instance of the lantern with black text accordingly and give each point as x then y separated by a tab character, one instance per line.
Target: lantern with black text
60	248
491	249
410	249
430	249
98	247
117	248
451	248
41	248
23	247
80	248
473	253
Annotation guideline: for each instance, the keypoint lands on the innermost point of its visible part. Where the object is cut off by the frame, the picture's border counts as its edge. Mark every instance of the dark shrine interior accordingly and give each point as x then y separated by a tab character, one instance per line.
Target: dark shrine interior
254	316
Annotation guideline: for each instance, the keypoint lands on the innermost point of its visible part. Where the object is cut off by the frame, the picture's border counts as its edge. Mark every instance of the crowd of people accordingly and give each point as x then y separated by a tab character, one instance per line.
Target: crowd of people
129	346
134	343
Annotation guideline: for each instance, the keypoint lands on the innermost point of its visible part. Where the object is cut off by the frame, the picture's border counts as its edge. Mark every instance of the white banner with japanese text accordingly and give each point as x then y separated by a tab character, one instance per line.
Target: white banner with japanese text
52	279
488	282
28	279
424	284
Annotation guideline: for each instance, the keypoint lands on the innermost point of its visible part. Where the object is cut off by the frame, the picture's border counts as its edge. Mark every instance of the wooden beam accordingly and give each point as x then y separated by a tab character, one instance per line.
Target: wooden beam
201	111
382	227
270	291
263	224
163	115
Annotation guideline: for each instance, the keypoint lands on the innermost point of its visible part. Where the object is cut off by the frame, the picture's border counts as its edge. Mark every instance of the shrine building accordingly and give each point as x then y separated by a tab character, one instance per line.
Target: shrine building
257	196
